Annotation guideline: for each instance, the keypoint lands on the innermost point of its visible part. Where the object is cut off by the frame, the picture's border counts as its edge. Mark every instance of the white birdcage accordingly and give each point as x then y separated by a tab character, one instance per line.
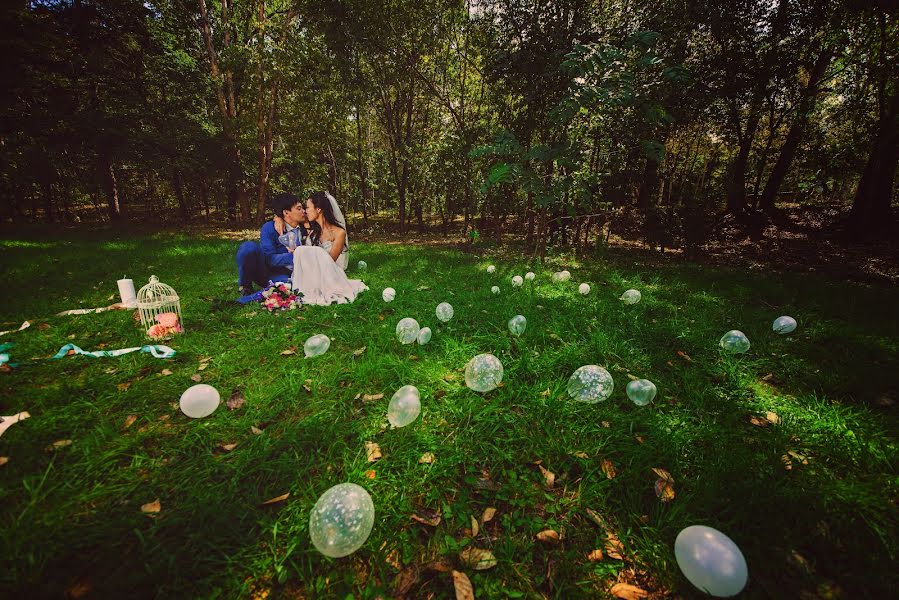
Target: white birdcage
155	299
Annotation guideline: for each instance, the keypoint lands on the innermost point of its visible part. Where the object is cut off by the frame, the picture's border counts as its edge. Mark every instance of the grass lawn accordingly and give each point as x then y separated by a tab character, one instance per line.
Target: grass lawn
811	499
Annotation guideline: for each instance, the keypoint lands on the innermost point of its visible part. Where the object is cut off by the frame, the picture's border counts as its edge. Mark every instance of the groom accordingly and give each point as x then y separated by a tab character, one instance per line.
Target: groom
270	259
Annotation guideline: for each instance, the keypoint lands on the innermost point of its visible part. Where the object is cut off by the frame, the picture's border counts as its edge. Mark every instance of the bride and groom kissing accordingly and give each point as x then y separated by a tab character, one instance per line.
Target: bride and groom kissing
305	244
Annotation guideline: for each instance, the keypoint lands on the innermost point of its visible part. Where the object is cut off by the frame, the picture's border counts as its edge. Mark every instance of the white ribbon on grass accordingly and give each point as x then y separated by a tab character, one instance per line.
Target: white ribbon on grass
158	351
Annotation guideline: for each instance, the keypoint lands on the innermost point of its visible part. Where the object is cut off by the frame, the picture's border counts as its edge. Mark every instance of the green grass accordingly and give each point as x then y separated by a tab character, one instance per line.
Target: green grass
72	516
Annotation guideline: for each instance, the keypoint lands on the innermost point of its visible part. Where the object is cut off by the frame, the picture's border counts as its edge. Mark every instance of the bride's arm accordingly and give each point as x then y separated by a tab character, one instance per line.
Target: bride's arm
337	245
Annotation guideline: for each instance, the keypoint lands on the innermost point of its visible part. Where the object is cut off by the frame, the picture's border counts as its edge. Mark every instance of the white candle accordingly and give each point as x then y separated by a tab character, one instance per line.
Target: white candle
127	293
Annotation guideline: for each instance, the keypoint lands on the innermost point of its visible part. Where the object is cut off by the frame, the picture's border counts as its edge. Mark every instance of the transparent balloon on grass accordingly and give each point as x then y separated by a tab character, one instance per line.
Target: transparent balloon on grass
424	336
734	341
517	281
584	289
445	311
491	269
404	407
388	294
711	561
630	297
341	520
590	383
363	265
483	373
641	391
529	276
316	345
407	330
784	325
495	290
199	401
564	276
517	324
557	277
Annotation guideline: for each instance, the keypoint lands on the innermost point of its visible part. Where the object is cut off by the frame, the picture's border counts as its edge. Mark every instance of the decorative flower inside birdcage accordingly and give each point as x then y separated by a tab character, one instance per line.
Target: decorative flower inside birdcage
160	310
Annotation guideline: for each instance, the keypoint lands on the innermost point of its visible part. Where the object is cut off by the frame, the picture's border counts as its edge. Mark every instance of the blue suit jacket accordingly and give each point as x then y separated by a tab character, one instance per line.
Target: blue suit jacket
277	258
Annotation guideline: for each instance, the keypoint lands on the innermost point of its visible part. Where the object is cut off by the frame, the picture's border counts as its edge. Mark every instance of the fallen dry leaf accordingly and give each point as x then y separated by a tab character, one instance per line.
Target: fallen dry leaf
772	417
276	499
202	366
59	444
124	386
605	424
626	591
427	517
758	421
664	486
548	476
549	536
478	559
581	454
196	377
79	589
228	447
371	397
289	351
594	555
475	528
488	515
166	372
684	356
236	400
372	451
614	547
3	460
151	508
255	430
788	464
462	585
359	352
608	467
404	582
129	421
800	458
440	566
427	458
370	474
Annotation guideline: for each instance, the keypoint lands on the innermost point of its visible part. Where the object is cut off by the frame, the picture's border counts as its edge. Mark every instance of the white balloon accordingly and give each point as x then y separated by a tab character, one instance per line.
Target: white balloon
564	276
341	520
784	325
316	345
483	373
404	407
529	276
495	290
584	288
445	311
199	401
388	294
711	561
424	336
363	265
407	330
491	269
734	341
557	276
590	383
630	297
517	281
641	391
517	324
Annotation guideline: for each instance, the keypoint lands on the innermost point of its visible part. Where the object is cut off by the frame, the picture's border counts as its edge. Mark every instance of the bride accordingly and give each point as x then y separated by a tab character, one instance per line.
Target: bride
318	270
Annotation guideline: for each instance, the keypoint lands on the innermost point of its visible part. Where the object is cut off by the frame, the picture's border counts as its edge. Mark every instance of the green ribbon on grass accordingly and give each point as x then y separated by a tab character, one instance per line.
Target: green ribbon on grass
158	351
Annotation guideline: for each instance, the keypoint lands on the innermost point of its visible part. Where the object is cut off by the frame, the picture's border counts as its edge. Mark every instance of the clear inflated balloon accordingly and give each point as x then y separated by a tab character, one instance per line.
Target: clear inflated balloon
529	276
388	294
199	401
641	391
404	407
316	345
557	277
517	324
584	288
734	341
495	290
491	269
630	297
564	276
483	373
711	561
424	336
517	281
341	520
362	265
445	311
590	383
784	325
407	330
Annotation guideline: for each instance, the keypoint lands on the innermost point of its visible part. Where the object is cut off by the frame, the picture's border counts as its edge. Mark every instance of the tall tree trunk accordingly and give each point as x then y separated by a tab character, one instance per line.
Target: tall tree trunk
360	168
794	136
648	185
110	185
736	187
178	185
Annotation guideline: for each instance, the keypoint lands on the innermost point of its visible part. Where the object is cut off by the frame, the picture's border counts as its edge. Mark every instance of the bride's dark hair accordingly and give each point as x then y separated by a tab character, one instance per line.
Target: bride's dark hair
321	202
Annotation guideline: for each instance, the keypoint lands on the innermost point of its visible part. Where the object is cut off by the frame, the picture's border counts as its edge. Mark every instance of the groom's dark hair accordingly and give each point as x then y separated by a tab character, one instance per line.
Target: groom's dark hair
282	202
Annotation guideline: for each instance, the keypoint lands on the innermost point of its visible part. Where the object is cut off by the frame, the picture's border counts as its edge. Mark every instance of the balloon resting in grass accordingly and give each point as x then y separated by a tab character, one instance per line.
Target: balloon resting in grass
565	275
495	290
404	407
424	336
734	341
199	401
711	561
445	311
407	330
784	325
517	281
529	276
641	391
590	383
341	520
584	288
388	294
483	373
491	269
630	297
363	265
517	324
557	277
316	345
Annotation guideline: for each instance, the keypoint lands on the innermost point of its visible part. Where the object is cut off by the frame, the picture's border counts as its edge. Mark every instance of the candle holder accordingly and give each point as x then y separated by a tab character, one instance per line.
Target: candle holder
160	310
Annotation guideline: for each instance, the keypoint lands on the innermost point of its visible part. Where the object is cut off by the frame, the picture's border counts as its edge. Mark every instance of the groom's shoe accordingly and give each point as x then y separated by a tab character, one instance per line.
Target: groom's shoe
245	290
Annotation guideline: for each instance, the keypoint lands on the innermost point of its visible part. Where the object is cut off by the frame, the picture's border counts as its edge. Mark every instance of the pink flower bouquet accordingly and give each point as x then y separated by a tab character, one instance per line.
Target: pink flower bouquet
279	296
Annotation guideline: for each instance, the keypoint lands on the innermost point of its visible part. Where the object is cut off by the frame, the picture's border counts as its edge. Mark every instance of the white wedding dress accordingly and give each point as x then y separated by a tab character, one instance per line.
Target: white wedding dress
321	279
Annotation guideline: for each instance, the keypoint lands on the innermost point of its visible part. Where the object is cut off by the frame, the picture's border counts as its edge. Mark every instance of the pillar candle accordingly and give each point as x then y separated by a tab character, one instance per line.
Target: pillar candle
126	292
